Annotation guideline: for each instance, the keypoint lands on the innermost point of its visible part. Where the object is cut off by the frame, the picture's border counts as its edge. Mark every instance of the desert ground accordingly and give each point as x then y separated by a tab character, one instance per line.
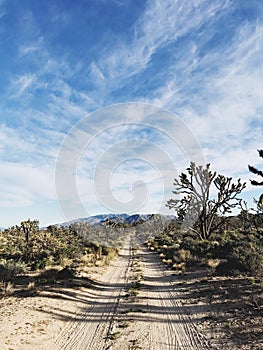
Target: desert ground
133	303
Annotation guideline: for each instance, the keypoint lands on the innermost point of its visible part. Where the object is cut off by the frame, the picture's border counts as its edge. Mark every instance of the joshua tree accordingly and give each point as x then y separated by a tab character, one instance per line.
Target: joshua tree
257	172
28	227
197	209
257	183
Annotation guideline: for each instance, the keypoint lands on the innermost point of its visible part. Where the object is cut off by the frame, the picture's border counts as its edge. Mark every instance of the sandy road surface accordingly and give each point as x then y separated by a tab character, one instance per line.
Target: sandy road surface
148	315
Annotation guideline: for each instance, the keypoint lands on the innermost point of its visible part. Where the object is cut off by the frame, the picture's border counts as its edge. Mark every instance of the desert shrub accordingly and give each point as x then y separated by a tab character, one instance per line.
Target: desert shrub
59	245
9	270
6	288
93	248
228	252
164	239
67	273
242	252
110	252
245	258
184	255
12	244
226	268
48	276
52	275
41	263
171	252
42	247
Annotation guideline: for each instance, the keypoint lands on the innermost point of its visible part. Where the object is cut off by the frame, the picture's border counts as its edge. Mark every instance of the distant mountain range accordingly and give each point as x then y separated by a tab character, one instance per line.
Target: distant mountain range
118	218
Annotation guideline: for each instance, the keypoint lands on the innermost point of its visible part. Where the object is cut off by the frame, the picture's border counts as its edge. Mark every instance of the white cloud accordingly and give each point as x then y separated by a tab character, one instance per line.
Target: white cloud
21	84
2	8
22	146
226	113
13	196
25	183
9	140
218	93
156	29
31	48
96	74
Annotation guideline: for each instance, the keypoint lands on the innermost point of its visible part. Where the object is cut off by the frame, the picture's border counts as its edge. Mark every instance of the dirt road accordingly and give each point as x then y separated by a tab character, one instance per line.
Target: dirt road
134	304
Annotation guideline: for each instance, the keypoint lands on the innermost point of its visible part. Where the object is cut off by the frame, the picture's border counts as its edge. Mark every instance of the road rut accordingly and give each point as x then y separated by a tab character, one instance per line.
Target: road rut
133	305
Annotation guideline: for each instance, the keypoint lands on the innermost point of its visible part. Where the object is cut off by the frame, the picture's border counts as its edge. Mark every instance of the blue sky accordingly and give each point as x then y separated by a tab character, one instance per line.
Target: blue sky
85	74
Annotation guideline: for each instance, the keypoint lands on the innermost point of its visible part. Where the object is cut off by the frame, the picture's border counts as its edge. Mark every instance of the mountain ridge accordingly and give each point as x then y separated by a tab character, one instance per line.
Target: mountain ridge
100	219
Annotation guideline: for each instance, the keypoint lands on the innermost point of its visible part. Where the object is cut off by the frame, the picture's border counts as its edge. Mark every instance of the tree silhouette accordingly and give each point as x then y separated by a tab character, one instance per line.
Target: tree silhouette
257	172
196	208
257	183
29	227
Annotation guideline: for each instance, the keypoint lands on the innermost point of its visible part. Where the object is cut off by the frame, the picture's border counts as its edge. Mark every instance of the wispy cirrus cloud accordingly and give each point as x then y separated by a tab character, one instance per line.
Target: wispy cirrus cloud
222	107
2	8
22	84
155	29
96	74
26	183
201	60
31	48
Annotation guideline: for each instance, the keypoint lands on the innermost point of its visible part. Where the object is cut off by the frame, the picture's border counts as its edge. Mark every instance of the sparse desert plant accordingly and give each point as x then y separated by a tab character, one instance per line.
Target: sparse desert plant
48	276
184	254
123	325
87	260
179	267
110	252
251	280
168	262
65	261
9	270
67	273
31	286
7	288
213	263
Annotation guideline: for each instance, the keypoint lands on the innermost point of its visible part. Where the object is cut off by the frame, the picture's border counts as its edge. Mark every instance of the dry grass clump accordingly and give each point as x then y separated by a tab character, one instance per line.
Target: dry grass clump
184	255
213	263
9	270
6	288
31	286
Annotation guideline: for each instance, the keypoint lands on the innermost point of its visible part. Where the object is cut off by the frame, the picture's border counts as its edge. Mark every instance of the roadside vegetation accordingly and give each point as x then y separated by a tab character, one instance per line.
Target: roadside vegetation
36	256
205	232
217	255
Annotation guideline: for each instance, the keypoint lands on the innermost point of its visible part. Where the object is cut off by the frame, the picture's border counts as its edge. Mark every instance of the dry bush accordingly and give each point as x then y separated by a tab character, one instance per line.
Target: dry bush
6	288
9	270
31	286
213	263
179	267
87	260
184	255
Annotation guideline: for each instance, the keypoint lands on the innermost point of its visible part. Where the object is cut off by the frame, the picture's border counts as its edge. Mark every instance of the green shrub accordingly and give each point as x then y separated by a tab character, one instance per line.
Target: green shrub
67	273
243	253
41	263
53	275
234	251
248	259
9	270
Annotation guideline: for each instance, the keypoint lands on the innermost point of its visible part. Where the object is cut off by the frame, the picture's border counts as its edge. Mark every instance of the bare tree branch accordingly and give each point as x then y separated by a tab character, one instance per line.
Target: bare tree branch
196	207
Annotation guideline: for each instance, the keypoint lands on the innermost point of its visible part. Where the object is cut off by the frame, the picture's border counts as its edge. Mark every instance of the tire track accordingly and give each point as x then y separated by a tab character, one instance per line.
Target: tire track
181	332
155	317
93	326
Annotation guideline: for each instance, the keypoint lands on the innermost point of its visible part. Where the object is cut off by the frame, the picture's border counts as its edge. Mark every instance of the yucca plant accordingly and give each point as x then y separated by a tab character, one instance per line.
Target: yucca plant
257	172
